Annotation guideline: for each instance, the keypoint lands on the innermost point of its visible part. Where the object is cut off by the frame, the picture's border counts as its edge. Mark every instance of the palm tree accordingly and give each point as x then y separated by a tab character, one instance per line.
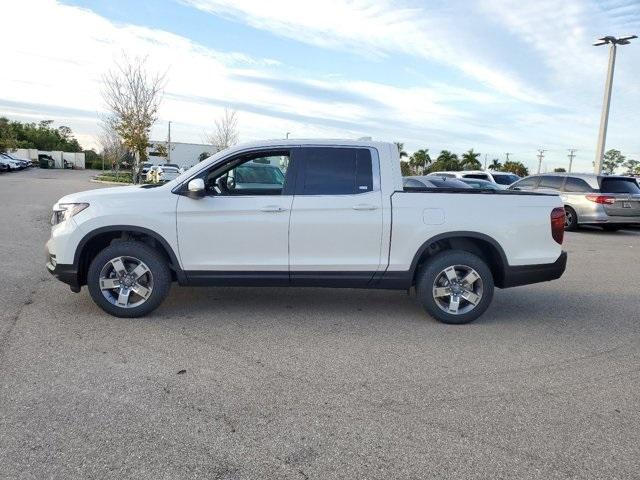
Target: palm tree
420	160
445	161
470	160
401	151
495	165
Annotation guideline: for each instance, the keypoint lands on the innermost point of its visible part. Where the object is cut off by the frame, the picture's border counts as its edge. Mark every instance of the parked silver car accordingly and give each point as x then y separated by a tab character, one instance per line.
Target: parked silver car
605	200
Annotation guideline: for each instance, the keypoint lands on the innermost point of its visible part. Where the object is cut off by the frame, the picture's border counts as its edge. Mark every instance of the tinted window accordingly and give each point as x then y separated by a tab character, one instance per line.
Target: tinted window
479	176
529	182
506	179
619	185
576	185
554	182
336	171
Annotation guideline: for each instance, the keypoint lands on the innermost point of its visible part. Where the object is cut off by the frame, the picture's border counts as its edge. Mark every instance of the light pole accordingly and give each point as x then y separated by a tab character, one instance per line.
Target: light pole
572	154
604	118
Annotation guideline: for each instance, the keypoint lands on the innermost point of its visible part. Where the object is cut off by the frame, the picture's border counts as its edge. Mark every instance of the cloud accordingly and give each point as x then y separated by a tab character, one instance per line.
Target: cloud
498	78
376	29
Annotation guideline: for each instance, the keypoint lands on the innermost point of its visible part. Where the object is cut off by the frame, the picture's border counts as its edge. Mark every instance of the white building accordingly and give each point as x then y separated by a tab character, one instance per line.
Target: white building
183	154
74	158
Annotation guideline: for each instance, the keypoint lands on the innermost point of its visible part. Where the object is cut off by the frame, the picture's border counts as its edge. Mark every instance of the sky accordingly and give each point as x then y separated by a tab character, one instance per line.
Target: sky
497	76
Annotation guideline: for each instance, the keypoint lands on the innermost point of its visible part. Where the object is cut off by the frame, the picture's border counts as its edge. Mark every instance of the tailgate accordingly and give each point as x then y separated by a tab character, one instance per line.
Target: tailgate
625	205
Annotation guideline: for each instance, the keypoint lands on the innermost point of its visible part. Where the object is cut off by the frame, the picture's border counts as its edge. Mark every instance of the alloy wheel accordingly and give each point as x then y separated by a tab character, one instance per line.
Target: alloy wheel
126	282
457	289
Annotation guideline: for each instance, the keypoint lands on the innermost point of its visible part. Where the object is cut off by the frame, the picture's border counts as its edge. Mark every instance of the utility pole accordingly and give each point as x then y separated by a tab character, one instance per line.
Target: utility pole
507	155
604	117
485	161
540	157
169	144
572	154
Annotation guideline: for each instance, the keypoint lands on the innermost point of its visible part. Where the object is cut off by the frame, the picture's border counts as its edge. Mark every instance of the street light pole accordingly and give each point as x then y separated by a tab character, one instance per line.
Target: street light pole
604	117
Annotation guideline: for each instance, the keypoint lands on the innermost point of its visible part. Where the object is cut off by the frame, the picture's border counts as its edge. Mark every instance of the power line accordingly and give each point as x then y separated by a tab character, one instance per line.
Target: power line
540	157
572	154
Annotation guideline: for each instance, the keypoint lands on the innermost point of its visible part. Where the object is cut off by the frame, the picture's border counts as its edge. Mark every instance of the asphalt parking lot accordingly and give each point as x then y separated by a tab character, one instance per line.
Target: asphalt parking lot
314	383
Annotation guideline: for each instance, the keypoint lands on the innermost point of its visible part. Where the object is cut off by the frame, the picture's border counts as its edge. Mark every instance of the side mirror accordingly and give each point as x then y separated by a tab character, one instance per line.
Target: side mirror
195	188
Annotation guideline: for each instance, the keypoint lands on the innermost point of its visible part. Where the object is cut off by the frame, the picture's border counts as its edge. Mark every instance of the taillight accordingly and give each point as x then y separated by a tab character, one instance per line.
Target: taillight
601	199
557	224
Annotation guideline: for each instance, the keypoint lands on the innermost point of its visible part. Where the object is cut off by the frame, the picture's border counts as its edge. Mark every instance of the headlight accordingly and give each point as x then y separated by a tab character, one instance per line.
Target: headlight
64	211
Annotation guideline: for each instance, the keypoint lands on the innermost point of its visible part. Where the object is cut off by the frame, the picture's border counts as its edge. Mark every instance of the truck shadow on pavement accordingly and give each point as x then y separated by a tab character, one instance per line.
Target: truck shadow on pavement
540	305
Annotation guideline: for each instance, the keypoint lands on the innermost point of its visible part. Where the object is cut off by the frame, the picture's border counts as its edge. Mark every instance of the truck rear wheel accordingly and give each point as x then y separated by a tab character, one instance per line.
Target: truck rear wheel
455	286
128	279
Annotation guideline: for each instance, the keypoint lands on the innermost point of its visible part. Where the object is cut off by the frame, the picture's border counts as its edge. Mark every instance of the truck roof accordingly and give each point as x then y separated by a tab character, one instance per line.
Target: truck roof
292	142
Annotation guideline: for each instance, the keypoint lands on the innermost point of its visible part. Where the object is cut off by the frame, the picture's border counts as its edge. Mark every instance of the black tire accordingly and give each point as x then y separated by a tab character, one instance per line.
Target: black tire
432	270
157	266
611	228
571	222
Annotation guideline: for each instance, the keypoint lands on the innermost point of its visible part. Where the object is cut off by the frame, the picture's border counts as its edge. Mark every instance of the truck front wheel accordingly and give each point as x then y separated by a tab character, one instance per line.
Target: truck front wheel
128	279
455	286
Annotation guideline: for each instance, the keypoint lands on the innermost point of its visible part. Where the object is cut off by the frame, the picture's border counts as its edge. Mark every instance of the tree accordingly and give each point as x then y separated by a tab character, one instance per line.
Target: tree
495	165
226	133
515	167
632	166
446	161
41	136
161	151
203	156
8	140
113	150
419	161
133	98
401	151
405	169
612	160
92	159
470	161
559	170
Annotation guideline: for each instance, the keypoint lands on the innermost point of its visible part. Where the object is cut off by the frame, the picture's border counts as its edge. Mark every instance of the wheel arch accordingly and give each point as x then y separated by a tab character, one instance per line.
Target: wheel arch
477	243
99	238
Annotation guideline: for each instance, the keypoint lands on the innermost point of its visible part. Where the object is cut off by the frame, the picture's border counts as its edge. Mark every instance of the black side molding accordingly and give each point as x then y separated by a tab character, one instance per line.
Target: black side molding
527	274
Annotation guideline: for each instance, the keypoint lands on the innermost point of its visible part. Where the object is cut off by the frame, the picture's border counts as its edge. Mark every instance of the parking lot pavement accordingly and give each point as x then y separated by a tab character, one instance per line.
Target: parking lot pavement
314	383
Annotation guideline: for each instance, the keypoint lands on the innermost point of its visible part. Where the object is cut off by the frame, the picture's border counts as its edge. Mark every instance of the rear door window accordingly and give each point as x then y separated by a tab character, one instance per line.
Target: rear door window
335	171
551	182
619	185
576	185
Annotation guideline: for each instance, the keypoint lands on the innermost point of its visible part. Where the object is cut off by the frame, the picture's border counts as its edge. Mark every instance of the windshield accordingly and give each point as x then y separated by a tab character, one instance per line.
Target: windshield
505	179
619	185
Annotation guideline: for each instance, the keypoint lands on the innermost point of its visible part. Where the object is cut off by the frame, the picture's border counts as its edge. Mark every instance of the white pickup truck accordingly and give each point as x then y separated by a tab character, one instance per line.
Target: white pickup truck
305	213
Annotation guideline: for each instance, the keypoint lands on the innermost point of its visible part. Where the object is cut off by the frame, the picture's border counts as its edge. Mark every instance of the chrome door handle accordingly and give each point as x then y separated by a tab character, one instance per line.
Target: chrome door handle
272	208
364	206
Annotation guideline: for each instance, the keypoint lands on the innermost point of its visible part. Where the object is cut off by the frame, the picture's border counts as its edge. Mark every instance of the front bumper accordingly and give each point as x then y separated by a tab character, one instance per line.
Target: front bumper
65	273
526	274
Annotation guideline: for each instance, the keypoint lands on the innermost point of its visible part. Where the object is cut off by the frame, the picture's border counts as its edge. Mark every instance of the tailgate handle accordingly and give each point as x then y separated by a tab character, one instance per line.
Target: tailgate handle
272	208
365	206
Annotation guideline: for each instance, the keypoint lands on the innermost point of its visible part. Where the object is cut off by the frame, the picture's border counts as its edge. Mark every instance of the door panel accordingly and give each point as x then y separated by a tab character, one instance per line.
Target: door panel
336	218
234	233
336	232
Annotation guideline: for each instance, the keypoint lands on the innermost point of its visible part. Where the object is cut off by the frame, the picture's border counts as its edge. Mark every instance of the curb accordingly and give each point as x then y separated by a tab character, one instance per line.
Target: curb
108	182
